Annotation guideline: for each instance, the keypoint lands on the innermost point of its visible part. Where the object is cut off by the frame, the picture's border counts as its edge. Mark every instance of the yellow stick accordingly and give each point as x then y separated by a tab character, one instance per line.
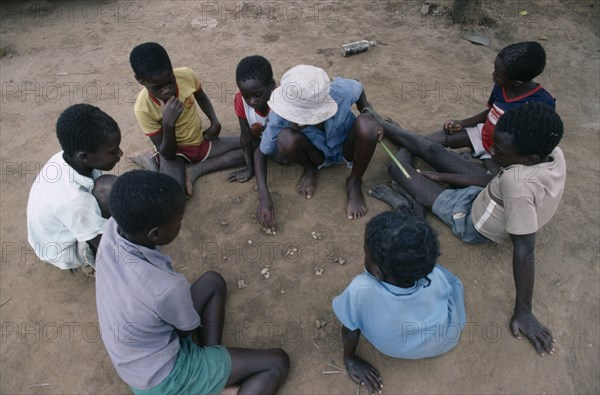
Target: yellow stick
391	155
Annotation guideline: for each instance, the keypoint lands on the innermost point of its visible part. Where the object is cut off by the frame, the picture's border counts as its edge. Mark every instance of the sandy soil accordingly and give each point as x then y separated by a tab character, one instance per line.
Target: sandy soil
421	73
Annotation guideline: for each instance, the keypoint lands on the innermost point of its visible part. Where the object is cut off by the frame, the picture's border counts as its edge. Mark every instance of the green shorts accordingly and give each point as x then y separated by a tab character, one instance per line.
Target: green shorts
198	370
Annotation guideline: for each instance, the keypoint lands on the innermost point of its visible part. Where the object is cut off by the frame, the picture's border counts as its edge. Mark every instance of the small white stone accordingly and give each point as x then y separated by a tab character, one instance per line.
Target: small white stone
318	272
264	271
249	241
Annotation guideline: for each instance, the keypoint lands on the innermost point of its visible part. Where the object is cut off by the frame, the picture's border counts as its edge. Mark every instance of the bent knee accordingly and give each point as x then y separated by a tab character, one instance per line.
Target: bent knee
287	141
215	281
366	127
281	363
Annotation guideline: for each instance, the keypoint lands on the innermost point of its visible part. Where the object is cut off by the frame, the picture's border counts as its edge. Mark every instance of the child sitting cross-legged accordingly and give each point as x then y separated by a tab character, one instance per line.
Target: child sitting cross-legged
162	334
167	111
403	303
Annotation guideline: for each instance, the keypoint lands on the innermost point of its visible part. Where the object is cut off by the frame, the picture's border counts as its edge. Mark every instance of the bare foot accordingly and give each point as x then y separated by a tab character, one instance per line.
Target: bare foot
306	185
386	194
145	159
356	201
416	206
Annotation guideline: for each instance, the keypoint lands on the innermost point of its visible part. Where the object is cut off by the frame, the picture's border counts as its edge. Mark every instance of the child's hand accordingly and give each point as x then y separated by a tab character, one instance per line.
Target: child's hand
452	126
172	109
265	213
538	334
362	372
212	132
241	175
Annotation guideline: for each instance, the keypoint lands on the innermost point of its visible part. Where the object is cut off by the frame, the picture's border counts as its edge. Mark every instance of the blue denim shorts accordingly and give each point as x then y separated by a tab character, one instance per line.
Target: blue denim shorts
453	206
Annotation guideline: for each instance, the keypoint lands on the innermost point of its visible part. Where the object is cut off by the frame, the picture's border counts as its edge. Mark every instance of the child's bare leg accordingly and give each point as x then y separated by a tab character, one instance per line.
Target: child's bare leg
225	153
421	188
458	139
434	154
208	295
145	159
101	191
175	168
359	147
294	145
258	371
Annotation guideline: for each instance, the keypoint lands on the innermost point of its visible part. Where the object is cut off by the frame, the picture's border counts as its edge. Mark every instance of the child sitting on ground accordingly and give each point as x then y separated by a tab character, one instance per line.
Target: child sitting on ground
162	334
515	68
254	78
311	124
403	303
167	113
65	213
511	207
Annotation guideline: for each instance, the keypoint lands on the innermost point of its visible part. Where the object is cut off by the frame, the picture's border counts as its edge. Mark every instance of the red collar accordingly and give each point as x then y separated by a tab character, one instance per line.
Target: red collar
523	96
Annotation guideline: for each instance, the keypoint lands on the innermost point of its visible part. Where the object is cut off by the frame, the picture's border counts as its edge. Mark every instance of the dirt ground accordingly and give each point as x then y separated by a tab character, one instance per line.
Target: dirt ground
420	73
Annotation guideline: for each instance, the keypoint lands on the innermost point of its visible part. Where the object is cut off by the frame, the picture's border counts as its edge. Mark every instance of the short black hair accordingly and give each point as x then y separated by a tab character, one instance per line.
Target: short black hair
254	67
524	61
149	61
536	128
403	245
141	200
83	127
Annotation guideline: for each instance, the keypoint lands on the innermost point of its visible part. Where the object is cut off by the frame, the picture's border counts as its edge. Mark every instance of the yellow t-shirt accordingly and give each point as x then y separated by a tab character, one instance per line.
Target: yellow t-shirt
188	128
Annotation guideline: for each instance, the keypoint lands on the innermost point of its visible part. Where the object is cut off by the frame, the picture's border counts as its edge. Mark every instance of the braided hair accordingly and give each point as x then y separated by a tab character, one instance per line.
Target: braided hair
524	61
402	245
536	128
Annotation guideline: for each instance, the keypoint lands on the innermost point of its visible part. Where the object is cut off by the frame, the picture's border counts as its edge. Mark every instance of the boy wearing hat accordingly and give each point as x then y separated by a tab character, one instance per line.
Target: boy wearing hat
311	123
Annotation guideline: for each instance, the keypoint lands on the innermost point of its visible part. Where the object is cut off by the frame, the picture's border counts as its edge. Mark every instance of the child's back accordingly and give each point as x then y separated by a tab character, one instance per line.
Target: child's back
404	304
422	321
162	334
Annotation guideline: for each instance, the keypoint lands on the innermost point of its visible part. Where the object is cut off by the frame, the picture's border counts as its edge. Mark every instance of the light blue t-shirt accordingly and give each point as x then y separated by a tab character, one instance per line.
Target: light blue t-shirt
345	92
419	322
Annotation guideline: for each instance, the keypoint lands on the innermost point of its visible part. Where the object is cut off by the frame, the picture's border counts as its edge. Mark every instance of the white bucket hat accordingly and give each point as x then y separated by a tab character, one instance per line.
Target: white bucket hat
303	96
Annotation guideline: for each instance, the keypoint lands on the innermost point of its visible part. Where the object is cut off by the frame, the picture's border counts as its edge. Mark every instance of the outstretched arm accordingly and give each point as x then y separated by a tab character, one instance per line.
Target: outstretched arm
212	132
359	370
265	213
523	319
